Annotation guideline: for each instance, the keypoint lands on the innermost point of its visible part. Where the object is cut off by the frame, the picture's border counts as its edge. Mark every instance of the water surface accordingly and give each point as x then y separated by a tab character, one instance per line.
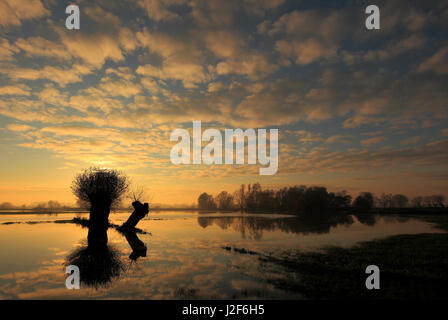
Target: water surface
189	255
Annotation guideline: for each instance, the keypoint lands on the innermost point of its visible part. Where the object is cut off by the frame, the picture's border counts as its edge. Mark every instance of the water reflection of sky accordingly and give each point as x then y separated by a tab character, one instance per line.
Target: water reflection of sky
185	258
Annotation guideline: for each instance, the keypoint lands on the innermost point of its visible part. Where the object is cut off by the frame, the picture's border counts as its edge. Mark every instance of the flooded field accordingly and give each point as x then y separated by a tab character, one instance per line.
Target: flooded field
189	254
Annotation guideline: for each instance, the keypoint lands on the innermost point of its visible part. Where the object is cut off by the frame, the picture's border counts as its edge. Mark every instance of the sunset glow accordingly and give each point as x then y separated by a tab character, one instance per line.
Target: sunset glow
356	109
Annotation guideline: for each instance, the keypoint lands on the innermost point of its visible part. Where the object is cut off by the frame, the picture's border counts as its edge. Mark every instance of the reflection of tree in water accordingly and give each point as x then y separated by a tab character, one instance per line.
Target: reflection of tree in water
322	223
247	226
366	218
97	267
372	219
204	222
252	227
99	263
138	247
394	219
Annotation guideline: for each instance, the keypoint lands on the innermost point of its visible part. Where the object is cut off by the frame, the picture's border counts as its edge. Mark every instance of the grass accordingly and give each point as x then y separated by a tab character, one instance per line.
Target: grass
411	267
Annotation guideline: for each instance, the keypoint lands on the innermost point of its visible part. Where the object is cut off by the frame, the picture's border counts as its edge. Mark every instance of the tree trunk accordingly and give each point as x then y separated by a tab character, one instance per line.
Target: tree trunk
98	225
141	210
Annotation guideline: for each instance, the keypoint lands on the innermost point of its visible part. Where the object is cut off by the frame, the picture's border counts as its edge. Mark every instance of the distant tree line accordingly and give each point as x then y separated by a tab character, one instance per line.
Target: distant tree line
302	199
47	206
401	201
296	198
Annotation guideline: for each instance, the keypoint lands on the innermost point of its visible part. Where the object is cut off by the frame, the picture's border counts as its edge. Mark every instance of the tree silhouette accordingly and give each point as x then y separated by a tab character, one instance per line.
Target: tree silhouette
364	202
100	189
240	197
224	201
206	202
417	202
309	201
399	201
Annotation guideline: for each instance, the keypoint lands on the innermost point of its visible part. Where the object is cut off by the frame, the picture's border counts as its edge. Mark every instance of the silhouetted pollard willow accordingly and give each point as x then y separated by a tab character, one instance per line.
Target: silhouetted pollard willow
100	189
140	211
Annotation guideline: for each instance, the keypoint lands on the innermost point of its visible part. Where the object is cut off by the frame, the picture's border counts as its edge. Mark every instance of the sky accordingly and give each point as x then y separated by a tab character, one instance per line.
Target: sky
356	109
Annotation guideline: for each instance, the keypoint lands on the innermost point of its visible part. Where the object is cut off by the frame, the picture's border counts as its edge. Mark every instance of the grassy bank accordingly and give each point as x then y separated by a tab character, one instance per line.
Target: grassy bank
412	267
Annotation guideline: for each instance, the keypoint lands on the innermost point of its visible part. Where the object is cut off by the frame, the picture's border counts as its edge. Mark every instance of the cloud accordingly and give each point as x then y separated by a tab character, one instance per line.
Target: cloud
125	73
53	96
94	49
305	52
159	10
224	43
214	13
95	99
80	131
437	63
182	58
14	12
411	43
154	86
122	88
432	154
373	99
214	87
253	65
40	47
337	138
409	141
232	49
20	90
286	101
7	50
408	15
101	146
221	14
309	35
307	137
61	76
370	141
261	7
127	39
188	73
106	39
19	127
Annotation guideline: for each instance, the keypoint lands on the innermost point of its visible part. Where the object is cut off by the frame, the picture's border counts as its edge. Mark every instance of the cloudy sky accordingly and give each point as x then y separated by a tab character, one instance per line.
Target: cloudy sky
356	109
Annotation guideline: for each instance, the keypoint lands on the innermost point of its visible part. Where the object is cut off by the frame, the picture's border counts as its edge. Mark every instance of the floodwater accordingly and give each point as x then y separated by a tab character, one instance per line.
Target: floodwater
189	255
